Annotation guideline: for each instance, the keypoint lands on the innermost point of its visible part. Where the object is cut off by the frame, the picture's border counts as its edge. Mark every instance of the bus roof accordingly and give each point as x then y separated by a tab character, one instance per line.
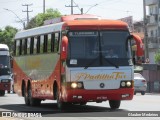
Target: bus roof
70	17
107	24
3	47
39	30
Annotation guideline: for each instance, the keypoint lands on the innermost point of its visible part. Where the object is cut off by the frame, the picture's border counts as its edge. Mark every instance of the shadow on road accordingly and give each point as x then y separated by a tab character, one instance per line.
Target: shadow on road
50	109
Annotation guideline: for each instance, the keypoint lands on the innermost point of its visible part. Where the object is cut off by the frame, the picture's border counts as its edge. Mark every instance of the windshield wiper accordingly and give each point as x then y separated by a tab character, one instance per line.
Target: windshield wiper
111	63
91	62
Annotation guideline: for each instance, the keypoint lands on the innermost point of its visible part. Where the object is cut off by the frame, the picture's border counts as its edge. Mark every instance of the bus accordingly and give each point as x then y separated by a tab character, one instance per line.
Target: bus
5	70
66	61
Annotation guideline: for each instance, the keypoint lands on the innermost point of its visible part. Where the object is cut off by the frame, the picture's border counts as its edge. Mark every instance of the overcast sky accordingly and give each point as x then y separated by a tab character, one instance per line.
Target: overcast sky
110	9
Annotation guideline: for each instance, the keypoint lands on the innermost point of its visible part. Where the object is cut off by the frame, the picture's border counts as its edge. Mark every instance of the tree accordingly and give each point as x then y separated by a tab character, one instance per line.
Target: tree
7	36
41	17
157	56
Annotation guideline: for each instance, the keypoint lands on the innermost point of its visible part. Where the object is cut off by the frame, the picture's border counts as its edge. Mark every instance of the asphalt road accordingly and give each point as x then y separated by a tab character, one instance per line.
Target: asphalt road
149	103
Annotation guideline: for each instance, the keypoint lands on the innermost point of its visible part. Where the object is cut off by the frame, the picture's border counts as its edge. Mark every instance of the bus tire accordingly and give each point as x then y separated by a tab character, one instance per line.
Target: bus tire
26	99
83	103
114	104
143	93
2	92
33	101
60	104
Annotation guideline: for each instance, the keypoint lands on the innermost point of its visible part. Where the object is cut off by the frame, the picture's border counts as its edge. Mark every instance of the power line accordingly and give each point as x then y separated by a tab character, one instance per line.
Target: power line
91	8
16	16
81	9
27	11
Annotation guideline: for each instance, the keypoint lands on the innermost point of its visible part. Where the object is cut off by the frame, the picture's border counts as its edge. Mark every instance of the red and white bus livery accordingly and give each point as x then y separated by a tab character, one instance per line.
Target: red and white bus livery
69	62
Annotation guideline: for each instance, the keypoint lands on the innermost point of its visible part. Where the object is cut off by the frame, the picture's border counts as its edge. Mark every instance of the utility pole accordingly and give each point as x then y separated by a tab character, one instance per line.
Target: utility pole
43	6
71	6
27	11
91	8
145	30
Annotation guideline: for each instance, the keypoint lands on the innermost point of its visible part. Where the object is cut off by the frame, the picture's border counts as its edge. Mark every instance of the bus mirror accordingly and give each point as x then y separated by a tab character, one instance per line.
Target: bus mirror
139	45
64	47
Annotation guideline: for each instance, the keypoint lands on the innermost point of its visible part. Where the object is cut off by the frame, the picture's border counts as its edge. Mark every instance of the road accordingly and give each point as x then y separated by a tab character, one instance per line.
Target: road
150	103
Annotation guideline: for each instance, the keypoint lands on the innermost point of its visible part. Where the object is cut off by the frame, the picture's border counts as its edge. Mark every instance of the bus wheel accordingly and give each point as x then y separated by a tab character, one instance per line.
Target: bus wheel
2	92
83	103
114	104
26	99
60	104
142	93
33	101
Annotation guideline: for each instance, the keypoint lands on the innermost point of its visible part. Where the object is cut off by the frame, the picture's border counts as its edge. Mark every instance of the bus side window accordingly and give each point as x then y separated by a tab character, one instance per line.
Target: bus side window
20	47
56	42
49	43
28	45
52	42
41	43
17	47
14	51
31	45
45	43
25	46
38	44
35	45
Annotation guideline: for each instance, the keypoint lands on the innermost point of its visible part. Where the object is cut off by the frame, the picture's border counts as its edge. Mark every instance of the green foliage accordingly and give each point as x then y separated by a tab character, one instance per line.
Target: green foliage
41	17
7	36
157	57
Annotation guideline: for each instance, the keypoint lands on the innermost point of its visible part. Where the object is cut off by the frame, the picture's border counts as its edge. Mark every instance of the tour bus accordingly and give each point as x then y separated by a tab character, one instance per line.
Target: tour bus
5	70
67	61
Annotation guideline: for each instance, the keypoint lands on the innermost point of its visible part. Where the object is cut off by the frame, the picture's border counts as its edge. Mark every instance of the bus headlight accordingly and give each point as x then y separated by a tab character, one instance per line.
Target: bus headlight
77	85
128	84
123	84
74	85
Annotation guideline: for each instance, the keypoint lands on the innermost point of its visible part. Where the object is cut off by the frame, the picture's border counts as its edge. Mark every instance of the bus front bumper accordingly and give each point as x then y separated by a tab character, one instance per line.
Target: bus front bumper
80	95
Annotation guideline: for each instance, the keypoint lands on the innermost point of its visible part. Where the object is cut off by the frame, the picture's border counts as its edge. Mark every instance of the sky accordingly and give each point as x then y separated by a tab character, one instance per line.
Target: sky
108	9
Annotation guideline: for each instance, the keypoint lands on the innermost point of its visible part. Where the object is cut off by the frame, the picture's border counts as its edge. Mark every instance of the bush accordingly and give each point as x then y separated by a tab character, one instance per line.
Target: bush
157	57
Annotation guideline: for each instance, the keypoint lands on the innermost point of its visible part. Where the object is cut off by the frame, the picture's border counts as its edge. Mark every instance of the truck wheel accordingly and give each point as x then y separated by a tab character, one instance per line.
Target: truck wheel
2	92
114	104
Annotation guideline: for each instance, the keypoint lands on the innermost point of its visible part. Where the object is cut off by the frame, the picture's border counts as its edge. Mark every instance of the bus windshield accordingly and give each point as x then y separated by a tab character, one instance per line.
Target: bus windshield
4	61
98	48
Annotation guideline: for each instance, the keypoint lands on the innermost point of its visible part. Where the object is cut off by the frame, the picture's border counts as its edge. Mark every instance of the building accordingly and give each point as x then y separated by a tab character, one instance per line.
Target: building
152	71
139	29
153	28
